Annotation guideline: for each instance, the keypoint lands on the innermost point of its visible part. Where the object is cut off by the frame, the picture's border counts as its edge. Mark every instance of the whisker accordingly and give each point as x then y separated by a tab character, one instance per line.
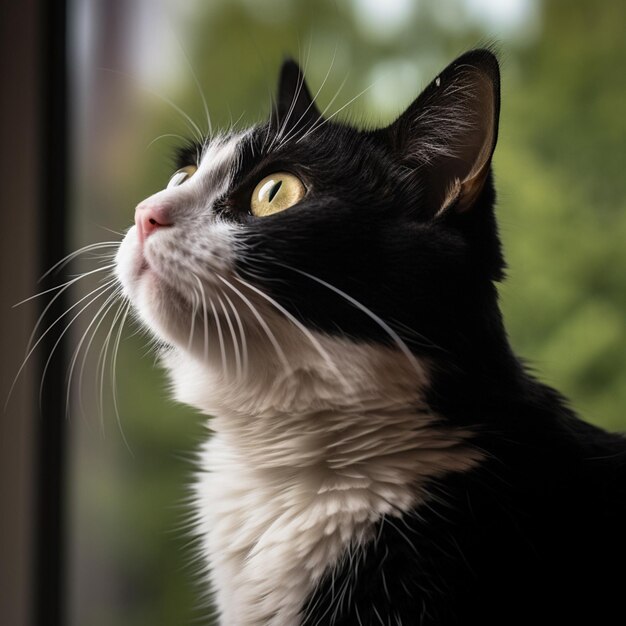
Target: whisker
337	93
242	335
66	284
60	337
205	320
311	104
220	336
116	346
98	318
164	136
299	86
330	117
101	366
196	81
44	334
41	317
305	331
66	259
262	322
111	230
390	331
192	326
233	336
194	127
108	257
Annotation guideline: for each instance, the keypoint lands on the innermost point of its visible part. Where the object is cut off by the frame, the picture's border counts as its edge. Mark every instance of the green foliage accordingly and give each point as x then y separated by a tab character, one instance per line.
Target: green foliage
563	206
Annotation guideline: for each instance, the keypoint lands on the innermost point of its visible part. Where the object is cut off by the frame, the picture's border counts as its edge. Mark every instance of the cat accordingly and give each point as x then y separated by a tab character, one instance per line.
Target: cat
378	454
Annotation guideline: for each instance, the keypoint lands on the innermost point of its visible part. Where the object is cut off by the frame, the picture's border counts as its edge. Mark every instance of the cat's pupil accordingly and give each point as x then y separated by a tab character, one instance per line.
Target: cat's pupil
274	190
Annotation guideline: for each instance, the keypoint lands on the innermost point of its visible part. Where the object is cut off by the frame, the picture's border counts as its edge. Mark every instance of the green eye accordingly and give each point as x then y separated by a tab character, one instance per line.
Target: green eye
275	193
179	177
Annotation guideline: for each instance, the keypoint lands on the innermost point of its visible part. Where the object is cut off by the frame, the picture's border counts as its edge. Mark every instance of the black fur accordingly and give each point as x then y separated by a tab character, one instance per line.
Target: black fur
535	533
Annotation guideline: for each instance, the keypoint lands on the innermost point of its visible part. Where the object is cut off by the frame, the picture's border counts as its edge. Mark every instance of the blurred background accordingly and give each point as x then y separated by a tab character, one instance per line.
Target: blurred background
138	72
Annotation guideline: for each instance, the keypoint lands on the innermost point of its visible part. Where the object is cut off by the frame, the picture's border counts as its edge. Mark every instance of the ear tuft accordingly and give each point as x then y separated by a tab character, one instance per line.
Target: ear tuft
447	136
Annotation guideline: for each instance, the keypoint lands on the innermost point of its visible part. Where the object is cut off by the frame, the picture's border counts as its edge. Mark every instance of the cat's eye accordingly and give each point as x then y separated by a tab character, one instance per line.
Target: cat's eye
275	193
180	176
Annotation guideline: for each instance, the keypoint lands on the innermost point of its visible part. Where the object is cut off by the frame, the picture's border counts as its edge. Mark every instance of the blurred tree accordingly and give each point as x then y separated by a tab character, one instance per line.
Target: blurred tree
564	205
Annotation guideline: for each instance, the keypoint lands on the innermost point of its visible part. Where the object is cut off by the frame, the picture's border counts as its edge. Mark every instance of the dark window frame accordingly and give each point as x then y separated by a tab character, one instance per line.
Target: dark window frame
50	553
34	202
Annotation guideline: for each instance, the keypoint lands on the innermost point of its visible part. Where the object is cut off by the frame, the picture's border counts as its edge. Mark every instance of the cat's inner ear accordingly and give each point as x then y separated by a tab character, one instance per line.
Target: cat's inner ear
294	105
447	136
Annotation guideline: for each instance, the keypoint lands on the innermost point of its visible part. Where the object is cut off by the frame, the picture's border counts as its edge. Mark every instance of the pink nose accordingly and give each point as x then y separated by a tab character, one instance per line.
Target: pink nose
149	217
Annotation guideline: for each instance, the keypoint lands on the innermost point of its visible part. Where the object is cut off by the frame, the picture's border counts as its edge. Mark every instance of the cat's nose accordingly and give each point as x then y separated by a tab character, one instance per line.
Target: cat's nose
150	216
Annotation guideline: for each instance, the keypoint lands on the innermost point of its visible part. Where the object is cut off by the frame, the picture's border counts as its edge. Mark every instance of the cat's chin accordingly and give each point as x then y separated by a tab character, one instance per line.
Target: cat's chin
129	262
163	309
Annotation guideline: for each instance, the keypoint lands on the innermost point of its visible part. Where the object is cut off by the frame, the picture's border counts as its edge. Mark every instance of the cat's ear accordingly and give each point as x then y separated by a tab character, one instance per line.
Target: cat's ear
447	136
294	104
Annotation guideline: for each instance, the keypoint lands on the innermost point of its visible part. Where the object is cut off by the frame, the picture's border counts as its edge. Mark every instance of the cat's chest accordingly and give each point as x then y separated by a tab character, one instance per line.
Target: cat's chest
282	499
299	470
270	535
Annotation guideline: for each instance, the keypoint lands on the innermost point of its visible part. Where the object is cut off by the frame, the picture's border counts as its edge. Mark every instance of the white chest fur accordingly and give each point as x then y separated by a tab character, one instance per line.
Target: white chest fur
303	464
272	528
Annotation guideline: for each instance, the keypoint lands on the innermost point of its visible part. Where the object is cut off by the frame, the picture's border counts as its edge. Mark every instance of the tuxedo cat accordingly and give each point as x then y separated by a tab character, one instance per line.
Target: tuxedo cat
378	453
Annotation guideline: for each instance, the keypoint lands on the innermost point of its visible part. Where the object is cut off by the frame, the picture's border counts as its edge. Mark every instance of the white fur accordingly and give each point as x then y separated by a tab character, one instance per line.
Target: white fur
317	438
289	488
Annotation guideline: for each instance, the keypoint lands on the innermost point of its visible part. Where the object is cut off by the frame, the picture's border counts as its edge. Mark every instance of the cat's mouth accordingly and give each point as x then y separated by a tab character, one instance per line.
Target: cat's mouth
135	262
173	282
132	263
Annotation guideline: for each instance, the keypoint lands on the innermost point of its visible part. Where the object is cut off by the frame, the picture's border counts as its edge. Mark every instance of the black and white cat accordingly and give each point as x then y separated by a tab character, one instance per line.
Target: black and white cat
379	455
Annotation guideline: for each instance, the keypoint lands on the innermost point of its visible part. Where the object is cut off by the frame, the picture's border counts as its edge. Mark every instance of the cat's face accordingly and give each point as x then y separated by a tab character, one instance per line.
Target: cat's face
302	238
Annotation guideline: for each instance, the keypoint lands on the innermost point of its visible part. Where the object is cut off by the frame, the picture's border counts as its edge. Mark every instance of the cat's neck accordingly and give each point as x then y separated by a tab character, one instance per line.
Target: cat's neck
331	375
474	365
300	479
306	460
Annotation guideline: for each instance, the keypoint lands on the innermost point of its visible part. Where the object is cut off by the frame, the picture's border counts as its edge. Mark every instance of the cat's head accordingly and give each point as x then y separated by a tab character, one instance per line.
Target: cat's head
304	243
